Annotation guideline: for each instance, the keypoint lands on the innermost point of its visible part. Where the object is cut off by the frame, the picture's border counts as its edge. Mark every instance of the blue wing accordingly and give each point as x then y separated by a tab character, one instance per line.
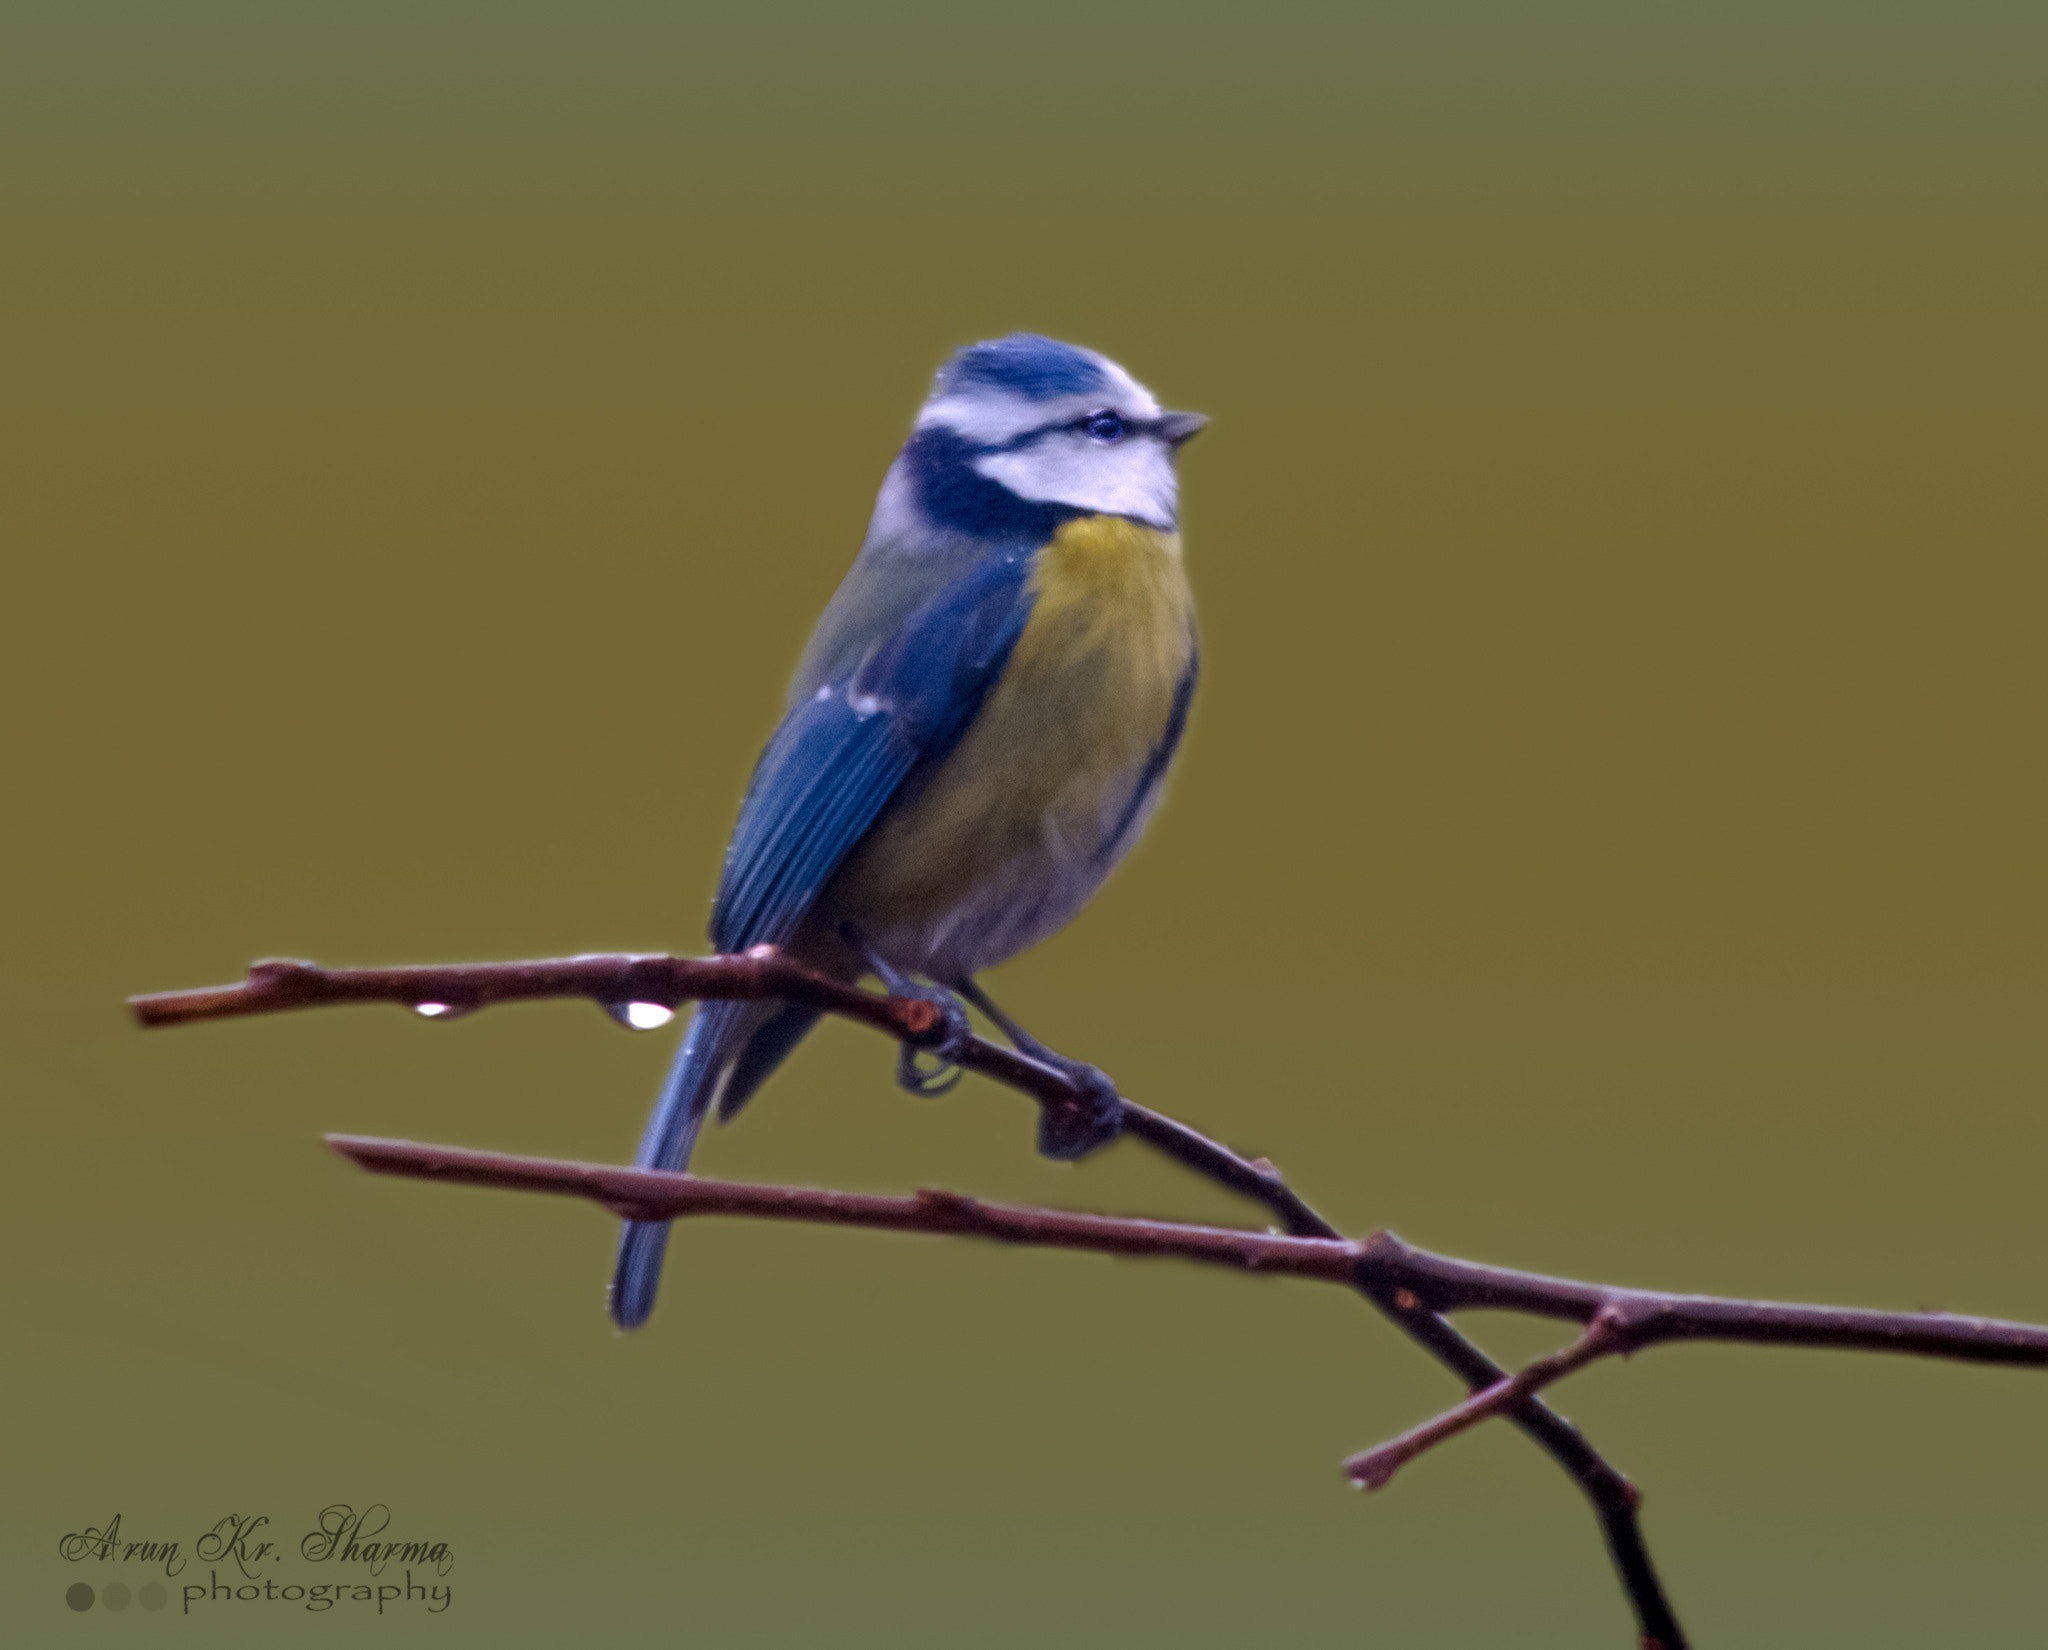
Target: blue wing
827	774
840	755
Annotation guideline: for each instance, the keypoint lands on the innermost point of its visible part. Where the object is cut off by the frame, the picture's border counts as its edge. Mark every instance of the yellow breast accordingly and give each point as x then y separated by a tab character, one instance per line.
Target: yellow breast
1008	831
1107	588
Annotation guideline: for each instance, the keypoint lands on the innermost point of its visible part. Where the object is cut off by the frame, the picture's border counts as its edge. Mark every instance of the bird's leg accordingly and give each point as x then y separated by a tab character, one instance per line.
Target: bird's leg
1065	1132
940	1078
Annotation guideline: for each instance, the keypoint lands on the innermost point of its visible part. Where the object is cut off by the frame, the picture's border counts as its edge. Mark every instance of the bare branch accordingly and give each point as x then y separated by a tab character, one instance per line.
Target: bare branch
1625	1319
283	984
453	989
1413	1288
1649	1317
449	991
648	1194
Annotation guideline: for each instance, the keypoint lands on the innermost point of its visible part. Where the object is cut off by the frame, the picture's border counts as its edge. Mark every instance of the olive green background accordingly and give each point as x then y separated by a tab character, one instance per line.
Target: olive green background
1610	838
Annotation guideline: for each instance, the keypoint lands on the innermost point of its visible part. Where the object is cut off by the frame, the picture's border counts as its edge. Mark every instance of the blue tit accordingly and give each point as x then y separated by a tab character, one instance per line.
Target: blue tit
976	734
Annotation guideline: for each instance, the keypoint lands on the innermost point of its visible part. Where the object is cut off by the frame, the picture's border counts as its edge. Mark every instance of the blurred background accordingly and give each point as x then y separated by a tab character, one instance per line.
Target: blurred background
1609	840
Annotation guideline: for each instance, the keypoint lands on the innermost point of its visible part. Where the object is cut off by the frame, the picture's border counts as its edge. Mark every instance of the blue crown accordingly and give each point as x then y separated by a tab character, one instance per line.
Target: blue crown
1037	368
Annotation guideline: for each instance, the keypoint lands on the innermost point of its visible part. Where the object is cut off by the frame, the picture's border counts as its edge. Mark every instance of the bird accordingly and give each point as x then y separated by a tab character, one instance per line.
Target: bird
975	735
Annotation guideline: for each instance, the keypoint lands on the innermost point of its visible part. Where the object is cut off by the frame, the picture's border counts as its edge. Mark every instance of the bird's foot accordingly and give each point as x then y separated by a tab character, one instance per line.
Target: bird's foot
955	1033
1069	1129
1088	1117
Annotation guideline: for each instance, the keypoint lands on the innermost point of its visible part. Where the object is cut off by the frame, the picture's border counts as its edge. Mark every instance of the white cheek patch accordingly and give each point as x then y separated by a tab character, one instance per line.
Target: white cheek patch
1132	478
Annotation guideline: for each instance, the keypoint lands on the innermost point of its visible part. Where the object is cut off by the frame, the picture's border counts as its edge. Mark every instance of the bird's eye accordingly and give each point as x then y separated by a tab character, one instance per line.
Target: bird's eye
1104	427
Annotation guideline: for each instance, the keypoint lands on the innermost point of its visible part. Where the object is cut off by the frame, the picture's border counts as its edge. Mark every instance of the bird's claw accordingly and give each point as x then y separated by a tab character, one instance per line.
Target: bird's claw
1072	1128
955	1033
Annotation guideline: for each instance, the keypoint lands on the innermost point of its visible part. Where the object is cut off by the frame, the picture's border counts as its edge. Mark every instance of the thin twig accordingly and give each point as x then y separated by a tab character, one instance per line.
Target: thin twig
1616	1502
277	984
649	1194
1373	1468
449	991
1633	1318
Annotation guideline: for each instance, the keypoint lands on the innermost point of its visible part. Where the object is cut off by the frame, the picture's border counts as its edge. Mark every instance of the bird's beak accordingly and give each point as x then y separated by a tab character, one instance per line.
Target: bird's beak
1179	427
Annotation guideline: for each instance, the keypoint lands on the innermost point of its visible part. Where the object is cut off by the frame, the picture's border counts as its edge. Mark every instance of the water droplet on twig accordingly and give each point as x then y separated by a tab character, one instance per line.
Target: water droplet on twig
444	1011
640	1016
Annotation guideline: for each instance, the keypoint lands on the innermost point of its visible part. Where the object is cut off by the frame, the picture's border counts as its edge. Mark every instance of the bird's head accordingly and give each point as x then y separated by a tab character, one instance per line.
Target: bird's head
1055	425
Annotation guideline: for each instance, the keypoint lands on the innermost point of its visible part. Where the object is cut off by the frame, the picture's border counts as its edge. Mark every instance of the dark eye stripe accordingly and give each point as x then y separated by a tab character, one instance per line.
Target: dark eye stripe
1125	426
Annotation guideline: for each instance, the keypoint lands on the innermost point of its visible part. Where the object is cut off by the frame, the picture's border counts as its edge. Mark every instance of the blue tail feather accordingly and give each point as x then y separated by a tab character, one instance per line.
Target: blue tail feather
726	1054
706	1051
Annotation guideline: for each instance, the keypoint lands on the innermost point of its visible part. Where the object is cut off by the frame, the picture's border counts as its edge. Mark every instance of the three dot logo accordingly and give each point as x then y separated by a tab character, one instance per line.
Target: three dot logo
116	1596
